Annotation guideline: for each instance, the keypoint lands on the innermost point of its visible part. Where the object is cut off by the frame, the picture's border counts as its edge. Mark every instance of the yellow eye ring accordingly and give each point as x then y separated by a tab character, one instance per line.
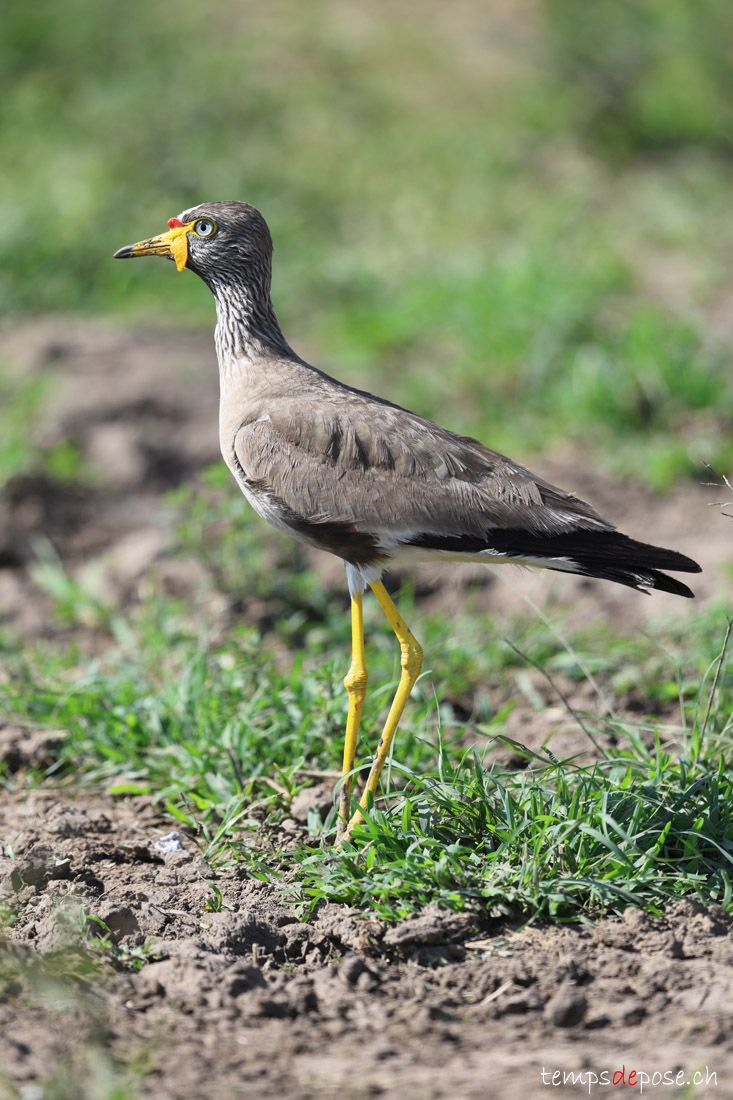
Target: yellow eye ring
205	227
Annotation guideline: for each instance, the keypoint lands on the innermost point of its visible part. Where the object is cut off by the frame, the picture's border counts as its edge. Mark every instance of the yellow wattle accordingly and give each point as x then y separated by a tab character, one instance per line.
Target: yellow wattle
179	249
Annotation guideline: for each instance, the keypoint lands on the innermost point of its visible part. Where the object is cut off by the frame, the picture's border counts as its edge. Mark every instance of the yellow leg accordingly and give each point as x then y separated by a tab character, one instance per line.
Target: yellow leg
356	684
411	660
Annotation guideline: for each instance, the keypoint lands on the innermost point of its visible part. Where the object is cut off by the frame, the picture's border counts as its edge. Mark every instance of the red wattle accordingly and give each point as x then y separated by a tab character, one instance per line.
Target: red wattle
175	223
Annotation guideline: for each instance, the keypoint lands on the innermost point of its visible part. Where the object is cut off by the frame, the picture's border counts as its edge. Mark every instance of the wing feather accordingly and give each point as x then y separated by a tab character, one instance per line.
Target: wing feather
382	470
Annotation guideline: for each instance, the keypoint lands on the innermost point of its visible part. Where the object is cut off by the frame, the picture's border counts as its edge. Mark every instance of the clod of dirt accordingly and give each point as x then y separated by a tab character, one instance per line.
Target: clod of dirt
528	1000
41	864
319	798
22	748
433	936
121	920
245	934
113	448
342	926
69	821
567	1007
296	998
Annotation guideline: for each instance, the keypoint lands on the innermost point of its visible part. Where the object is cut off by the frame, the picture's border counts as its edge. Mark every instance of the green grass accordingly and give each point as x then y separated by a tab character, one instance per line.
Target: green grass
19	452
220	735
21	402
561	841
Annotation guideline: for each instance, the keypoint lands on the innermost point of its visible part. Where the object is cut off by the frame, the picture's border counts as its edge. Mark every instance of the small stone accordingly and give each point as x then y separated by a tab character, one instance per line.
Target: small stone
171	842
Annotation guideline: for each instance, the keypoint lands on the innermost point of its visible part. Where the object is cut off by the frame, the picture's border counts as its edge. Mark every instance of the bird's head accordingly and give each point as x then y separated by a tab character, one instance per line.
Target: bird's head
225	243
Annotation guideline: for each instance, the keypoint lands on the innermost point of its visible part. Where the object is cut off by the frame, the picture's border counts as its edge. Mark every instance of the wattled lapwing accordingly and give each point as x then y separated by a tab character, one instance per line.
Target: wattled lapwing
369	481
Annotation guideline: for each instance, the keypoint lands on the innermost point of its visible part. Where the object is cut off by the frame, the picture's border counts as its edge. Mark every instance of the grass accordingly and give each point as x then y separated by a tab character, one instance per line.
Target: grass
20	454
220	735
558	841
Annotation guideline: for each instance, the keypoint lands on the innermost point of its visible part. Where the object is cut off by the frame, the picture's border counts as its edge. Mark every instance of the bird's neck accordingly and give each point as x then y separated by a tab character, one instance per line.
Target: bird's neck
246	325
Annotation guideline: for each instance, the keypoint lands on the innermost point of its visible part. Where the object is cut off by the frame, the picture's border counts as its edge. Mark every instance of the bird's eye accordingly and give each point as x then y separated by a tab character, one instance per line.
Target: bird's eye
204	227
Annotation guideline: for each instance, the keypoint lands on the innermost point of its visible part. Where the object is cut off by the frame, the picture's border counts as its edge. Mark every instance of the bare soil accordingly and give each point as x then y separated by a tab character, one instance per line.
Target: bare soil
249	1000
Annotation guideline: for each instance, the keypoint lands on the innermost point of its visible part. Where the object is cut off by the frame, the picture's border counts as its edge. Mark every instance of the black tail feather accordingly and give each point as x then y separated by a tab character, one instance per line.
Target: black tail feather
641	579
615	557
607	555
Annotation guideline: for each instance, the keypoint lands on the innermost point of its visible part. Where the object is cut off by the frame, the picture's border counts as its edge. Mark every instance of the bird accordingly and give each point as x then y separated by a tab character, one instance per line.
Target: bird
367	480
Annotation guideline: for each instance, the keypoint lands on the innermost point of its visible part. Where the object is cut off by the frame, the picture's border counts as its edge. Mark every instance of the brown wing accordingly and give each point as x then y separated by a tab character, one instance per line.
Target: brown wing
376	469
361	478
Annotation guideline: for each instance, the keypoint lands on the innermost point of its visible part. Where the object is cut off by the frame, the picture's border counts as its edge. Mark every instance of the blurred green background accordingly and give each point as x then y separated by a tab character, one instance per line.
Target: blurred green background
512	215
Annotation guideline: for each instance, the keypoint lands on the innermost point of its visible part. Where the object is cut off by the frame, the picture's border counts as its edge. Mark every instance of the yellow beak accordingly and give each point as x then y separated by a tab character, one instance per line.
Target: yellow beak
173	245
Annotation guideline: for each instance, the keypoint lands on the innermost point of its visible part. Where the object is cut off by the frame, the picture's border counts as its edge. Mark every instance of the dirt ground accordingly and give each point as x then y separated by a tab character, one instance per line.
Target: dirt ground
248	1000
